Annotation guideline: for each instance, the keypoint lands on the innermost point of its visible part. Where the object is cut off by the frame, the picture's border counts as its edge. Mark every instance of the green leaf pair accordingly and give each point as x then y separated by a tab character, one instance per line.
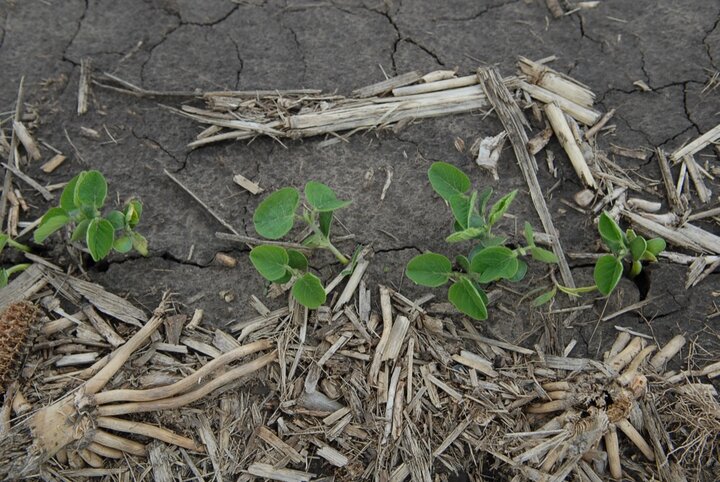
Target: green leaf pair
275	216
281	265
435	270
609	268
81	203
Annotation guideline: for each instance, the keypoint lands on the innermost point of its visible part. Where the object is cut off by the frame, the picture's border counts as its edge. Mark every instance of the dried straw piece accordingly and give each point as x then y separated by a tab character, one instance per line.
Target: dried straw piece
84	85
513	120
387	85
556	82
53	163
696	145
27	140
562	130
140	428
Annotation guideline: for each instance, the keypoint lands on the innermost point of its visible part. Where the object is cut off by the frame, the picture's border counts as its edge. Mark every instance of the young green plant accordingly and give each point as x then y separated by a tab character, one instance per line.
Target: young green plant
275	217
488	260
628	251
5	273
81	204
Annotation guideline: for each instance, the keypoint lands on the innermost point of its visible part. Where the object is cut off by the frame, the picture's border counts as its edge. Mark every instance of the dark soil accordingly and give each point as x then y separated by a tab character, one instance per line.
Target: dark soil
673	46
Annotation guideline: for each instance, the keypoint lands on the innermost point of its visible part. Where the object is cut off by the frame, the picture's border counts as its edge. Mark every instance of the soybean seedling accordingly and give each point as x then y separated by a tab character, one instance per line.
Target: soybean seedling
625	248
489	259
275	217
5	273
81	205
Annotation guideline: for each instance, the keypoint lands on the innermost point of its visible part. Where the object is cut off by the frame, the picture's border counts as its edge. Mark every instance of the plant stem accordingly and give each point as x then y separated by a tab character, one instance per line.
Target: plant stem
17	245
340	257
316	230
17	268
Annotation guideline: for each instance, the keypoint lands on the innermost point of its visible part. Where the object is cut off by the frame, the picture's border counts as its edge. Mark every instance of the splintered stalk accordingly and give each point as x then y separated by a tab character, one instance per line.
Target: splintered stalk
139	428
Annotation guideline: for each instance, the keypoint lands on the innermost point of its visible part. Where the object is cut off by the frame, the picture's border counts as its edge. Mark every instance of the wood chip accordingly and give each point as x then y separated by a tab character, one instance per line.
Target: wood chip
388	85
53	163
285	475
84	85
247	184
27	140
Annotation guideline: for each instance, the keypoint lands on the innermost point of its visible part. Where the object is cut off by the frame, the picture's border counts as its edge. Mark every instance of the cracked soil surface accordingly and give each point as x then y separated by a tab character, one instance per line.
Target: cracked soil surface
671	45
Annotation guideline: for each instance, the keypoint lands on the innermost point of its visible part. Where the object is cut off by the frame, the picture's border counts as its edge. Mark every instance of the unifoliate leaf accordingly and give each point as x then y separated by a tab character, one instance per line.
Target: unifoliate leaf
275	216
610	232
464	235
3	277
429	269
53	220
491	240
656	246
500	207
635	269
637	247
123	244
630	235
484	199
463	262
545	297
309	291
139	243
133	211
494	263
447	180
287	277
297	260
325	221
608	271
270	261
529	235
99	238
80	230
322	198
543	255
520	273
117	219
91	190
460	205
466	298
67	198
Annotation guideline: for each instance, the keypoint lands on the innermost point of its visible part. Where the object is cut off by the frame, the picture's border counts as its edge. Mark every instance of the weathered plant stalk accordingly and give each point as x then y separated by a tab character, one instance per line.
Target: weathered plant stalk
139	428
176	402
186	383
